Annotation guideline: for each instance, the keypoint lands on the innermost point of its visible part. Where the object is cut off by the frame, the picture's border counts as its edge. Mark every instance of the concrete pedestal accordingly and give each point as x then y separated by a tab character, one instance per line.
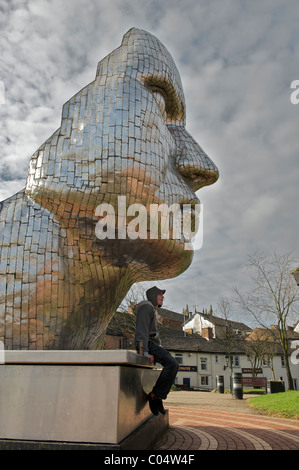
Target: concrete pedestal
94	397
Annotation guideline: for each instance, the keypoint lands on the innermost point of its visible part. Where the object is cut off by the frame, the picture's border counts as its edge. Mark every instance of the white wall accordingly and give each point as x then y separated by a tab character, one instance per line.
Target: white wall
214	368
197	323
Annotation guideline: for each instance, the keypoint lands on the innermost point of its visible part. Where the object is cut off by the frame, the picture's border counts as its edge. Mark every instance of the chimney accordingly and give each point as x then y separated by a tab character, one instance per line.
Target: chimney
207	333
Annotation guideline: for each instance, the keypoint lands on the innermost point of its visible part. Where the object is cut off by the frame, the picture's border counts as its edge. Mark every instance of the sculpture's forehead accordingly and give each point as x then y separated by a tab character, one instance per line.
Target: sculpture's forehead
149	53
142	56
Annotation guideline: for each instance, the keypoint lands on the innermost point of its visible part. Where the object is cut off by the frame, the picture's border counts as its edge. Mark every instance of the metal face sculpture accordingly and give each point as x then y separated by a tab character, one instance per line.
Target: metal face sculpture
122	135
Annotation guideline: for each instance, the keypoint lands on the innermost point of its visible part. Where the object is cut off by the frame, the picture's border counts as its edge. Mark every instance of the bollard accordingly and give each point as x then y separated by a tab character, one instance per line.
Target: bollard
220	383
237	386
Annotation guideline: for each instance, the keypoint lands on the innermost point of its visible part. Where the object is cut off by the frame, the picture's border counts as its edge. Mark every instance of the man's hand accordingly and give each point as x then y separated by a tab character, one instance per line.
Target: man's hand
151	359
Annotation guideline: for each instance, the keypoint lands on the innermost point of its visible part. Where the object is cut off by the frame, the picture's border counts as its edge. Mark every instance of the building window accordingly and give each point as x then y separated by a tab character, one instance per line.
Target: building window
203	363
179	358
217	359
236	362
282	361
204	380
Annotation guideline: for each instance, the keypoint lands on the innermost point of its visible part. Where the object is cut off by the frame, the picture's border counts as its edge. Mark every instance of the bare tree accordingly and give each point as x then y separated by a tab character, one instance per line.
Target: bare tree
273	301
269	357
186	313
261	349
255	355
228	335
135	295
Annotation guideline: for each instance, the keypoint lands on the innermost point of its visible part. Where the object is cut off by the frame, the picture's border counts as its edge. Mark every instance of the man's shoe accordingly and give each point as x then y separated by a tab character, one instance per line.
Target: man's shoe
155	404
160	406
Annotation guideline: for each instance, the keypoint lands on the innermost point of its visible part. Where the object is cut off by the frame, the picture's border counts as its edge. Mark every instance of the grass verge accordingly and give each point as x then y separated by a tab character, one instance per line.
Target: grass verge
254	391
285	404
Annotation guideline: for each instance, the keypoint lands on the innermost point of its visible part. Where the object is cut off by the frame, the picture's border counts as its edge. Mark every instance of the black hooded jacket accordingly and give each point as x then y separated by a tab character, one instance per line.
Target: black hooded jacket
146	321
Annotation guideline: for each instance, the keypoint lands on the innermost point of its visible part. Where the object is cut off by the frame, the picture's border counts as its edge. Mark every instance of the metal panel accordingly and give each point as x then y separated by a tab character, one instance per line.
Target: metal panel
102	357
73	403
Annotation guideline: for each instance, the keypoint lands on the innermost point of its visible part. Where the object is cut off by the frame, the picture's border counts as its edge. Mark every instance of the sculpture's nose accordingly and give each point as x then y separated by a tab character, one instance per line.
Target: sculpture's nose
191	161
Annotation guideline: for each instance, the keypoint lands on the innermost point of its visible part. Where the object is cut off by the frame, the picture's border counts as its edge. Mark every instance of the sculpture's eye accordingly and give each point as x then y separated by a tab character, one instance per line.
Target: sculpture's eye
161	103
171	103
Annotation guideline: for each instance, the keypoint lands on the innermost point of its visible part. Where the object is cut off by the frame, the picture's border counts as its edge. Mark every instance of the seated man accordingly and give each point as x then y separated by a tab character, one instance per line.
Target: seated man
148	343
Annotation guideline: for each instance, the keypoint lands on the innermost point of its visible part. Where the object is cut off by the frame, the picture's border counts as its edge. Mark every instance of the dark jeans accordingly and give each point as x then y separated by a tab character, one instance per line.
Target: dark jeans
169	371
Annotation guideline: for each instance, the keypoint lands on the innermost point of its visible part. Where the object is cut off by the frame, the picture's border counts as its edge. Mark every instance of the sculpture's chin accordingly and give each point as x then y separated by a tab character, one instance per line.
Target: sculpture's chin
147	259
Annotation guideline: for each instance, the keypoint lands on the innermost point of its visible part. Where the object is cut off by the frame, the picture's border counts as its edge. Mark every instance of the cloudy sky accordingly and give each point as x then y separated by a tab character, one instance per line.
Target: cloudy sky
237	60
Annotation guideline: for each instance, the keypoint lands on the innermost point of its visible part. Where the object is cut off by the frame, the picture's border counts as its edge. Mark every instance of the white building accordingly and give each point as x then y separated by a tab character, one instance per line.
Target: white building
202	358
199	347
209	326
199	366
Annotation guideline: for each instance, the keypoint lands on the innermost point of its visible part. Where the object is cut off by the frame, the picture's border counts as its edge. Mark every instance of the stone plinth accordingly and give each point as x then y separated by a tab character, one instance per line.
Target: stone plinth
74	396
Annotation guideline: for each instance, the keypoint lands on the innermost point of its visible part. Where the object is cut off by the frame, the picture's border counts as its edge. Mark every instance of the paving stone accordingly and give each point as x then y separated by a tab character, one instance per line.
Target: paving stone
217	426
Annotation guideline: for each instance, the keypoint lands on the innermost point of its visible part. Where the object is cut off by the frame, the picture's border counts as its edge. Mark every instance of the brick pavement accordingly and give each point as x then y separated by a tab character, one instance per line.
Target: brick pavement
209	421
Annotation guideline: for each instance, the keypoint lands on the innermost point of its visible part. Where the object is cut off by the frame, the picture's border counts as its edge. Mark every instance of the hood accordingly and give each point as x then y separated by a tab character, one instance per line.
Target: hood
152	294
